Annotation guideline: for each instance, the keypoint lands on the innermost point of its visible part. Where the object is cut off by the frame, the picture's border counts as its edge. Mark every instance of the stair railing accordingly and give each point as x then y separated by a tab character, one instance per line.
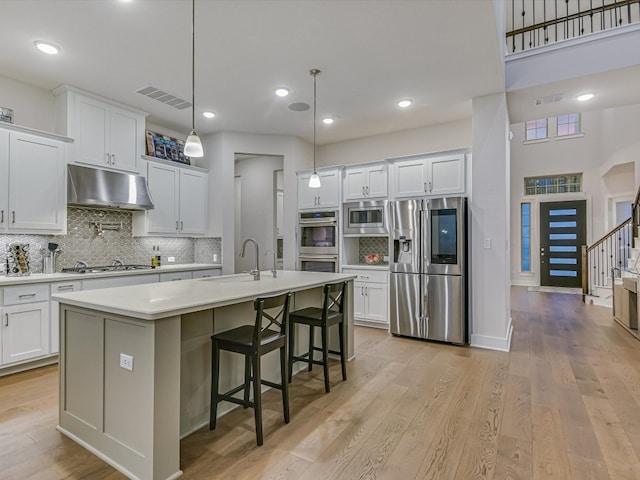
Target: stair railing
610	253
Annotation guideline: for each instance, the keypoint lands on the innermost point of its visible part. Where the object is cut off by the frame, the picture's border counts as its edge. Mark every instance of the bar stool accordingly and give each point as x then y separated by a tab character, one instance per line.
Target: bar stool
253	341
331	313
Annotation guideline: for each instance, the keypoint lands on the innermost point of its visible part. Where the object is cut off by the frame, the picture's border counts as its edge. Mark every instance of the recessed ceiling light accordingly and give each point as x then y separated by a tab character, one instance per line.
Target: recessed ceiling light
282	92
328	120
585	97
405	103
46	47
208	114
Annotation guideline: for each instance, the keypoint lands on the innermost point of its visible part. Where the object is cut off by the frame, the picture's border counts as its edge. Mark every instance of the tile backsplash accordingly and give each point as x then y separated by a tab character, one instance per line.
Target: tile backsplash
84	242
369	245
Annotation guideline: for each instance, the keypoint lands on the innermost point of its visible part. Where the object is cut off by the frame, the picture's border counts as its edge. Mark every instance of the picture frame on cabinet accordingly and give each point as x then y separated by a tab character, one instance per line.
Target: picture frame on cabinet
165	147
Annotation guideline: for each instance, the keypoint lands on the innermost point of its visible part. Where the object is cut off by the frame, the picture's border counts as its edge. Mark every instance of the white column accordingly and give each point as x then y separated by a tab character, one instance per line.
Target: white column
489	224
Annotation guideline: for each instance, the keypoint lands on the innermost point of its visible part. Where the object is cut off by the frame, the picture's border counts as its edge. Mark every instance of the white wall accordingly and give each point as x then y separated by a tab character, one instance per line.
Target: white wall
257	211
489	225
220	150
415	141
610	138
33	107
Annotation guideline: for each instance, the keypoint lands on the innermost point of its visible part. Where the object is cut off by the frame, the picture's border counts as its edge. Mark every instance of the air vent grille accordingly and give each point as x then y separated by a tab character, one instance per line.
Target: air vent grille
164	97
549	99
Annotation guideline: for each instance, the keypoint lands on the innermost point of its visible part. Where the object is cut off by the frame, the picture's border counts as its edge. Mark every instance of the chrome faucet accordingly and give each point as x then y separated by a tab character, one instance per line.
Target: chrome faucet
80	264
117	263
274	272
256	271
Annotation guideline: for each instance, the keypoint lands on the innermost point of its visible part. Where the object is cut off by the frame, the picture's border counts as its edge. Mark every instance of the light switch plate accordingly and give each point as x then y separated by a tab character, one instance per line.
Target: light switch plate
171	259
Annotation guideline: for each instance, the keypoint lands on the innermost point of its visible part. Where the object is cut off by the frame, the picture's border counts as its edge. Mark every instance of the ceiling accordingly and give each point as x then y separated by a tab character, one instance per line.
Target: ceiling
441	53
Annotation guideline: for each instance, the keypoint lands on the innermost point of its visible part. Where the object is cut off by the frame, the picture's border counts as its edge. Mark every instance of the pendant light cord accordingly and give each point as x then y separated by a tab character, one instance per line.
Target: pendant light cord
193	65
314	119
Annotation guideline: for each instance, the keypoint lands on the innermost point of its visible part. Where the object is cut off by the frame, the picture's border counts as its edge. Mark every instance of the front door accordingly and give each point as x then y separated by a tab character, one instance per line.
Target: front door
562	233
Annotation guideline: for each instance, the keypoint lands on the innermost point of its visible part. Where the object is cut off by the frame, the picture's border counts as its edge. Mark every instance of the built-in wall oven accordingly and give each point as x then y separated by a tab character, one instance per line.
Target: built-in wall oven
318	233
318	263
367	217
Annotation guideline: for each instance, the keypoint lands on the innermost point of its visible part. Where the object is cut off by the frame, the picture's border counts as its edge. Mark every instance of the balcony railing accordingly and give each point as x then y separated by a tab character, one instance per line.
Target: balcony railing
534	23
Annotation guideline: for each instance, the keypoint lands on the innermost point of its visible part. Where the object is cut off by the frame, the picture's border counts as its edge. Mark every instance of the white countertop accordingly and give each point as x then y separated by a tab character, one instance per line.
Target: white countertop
61	277
159	300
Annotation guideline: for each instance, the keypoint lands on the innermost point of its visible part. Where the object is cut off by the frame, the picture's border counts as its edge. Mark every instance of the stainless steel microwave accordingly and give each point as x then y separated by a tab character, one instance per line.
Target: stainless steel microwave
367	217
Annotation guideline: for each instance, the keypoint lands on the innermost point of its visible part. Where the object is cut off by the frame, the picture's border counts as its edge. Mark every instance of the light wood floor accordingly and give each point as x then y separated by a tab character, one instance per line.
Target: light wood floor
564	404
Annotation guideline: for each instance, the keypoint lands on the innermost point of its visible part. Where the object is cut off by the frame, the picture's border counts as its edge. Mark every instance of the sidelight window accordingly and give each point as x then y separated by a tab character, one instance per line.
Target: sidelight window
525	237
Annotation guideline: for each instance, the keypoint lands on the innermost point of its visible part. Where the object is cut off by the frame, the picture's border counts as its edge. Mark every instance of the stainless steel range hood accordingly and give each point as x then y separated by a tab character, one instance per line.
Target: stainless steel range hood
93	187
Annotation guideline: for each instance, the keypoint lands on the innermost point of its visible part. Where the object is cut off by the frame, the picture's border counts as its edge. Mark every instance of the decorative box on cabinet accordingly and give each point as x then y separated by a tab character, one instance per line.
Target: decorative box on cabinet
328	195
32	182
179	194
438	175
25	323
370	297
106	133
364	182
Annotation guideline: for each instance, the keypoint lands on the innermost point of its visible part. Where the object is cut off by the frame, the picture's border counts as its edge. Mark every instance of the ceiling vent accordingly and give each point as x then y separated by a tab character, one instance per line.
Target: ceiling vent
549	99
164	97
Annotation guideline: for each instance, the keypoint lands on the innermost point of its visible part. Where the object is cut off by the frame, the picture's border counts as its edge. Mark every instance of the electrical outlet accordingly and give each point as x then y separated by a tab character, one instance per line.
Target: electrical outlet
126	362
171	259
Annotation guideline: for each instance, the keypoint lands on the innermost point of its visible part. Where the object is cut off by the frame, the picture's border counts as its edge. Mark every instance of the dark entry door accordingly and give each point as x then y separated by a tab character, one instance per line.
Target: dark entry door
562	232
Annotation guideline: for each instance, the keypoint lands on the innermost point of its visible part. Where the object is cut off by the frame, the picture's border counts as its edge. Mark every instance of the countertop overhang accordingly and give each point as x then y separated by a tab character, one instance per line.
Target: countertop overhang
159	300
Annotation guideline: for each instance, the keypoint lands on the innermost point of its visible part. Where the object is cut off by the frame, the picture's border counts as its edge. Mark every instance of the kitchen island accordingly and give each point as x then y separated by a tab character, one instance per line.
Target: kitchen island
135	361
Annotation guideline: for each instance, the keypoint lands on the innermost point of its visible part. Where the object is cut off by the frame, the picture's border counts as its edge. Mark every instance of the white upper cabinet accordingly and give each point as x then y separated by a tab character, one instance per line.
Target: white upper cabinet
435	175
328	195
365	182
106	134
32	183
179	195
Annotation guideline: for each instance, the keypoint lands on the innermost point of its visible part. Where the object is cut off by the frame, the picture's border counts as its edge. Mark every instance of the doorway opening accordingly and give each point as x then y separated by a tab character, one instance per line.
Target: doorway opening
255	214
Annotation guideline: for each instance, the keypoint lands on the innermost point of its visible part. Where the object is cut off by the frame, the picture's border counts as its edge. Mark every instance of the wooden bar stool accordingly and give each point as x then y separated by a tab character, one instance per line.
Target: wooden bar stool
331	313
253	341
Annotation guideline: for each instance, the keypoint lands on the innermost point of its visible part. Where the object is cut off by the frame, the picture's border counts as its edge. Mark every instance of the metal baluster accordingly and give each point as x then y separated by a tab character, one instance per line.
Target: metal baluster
615	11
523	24
533	22
591	13
602	17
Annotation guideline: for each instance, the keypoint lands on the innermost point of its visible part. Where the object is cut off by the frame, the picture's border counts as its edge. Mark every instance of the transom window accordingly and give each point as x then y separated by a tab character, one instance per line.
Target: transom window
536	129
568	124
553	184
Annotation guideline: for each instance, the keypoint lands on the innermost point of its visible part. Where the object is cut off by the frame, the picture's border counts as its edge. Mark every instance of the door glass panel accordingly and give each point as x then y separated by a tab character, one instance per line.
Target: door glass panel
563	248
562	224
562	236
444	239
567	211
563	261
563	273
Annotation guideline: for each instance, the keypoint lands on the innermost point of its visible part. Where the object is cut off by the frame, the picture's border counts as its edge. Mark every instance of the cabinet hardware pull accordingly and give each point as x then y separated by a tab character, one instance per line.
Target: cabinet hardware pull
65	287
177	225
27	295
107	159
363	192
181	225
361	290
366	290
6	319
13	216
1	216
113	159
425	187
367	190
175	279
429	187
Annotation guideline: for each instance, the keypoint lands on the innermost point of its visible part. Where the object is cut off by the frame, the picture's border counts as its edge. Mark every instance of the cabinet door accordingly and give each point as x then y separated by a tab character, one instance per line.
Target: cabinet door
91	132
330	189
355	183
307	197
4	179
193	202
376	181
359	299
125	133
25	332
175	276
163	186
446	175
410	178
376	301
37	193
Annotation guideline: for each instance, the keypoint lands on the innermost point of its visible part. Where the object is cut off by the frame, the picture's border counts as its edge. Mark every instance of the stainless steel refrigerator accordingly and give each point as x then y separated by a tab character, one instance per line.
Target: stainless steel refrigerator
428	269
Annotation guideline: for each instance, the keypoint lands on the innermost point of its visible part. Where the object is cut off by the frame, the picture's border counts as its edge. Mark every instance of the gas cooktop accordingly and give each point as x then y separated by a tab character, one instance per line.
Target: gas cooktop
105	268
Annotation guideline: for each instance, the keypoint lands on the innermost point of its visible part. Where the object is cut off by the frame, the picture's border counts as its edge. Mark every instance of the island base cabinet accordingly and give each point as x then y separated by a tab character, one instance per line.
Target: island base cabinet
129	418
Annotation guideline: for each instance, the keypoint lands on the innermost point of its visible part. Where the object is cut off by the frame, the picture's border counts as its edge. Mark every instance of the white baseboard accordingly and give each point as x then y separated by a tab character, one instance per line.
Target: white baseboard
493	343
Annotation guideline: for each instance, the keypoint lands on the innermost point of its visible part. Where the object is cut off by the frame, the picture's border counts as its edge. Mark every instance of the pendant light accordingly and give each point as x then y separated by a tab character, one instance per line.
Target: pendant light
193	145
314	180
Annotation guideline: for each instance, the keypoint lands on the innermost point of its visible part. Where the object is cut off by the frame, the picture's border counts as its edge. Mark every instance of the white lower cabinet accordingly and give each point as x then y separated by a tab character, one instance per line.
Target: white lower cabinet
175	276
25	323
212	272
59	287
370	297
